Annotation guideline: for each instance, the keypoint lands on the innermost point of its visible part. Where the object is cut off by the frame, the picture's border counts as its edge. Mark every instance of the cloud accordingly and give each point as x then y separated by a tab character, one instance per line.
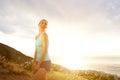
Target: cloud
88	22
14	20
7	30
95	16
99	16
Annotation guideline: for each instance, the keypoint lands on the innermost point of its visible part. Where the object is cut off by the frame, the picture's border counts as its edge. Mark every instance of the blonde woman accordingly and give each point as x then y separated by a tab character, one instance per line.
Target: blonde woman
41	59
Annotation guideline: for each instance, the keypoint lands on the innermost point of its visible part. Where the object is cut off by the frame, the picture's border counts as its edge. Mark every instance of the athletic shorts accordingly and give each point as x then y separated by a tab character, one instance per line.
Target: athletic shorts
46	65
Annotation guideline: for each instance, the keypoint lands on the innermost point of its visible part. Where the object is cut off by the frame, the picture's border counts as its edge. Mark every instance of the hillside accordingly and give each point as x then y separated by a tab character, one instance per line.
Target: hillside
11	62
12	54
14	65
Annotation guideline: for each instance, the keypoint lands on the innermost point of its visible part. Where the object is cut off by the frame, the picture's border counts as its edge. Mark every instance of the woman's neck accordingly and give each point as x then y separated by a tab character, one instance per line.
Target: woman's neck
41	31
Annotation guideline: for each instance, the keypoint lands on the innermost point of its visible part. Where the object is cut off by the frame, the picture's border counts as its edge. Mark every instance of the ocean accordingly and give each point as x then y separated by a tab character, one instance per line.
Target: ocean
109	65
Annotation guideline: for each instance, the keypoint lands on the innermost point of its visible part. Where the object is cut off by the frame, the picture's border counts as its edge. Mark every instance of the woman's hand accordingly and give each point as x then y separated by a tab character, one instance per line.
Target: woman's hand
33	67
36	67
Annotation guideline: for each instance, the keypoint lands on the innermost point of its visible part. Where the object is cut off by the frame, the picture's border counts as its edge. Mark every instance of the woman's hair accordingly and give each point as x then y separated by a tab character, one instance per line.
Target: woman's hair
42	21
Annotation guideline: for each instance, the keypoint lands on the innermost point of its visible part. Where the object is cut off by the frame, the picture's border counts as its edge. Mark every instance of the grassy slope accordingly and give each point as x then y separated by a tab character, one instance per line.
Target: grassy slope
12	54
13	67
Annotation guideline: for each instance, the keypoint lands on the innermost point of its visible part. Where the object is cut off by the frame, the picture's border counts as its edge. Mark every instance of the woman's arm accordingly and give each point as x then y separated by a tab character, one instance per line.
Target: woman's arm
35	54
44	46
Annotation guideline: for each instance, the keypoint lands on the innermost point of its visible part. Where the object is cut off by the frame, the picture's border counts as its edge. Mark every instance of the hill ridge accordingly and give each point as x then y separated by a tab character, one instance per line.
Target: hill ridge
12	54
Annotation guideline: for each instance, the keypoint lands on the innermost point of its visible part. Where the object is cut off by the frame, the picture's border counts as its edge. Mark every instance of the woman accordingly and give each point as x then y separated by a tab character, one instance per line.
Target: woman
41	59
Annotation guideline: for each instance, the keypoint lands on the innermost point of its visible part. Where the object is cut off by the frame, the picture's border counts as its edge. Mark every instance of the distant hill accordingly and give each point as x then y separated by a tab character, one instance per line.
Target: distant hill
12	54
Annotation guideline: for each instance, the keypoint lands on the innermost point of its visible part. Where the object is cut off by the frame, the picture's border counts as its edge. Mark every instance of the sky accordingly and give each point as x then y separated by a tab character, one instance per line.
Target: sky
76	28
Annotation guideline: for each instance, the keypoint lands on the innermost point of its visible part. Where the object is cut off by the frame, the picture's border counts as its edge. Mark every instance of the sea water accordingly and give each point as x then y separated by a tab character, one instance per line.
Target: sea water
110	65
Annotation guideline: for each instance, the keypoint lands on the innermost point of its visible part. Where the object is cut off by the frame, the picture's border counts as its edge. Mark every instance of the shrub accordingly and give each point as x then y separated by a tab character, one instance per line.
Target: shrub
27	65
2	60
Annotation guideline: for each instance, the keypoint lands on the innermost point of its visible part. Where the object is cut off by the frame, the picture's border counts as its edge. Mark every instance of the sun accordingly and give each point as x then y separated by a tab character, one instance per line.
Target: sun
73	62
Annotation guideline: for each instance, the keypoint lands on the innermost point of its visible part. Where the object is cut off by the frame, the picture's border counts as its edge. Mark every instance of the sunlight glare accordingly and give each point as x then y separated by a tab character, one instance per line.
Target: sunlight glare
73	62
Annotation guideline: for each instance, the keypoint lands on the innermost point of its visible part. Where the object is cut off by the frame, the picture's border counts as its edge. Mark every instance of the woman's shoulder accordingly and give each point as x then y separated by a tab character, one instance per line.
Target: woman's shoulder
36	36
44	34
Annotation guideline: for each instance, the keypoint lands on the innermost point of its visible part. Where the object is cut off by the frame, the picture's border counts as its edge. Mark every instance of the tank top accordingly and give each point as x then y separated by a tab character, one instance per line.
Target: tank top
39	49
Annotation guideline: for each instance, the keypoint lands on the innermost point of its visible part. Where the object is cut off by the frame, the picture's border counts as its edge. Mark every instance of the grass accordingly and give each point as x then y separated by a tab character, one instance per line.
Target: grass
11	67
57	72
55	75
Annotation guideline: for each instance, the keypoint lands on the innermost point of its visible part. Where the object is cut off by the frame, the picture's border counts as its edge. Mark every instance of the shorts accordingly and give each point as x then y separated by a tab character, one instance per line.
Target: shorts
46	65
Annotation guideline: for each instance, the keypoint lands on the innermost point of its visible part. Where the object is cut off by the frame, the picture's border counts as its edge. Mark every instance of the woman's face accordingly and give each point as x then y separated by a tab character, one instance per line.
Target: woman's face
43	24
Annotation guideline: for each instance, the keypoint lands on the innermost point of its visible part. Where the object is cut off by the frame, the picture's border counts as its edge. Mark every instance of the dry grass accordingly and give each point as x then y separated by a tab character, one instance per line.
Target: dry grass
11	67
57	72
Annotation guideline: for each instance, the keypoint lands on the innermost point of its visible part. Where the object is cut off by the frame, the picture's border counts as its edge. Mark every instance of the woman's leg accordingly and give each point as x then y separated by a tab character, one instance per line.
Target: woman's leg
40	74
43	74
